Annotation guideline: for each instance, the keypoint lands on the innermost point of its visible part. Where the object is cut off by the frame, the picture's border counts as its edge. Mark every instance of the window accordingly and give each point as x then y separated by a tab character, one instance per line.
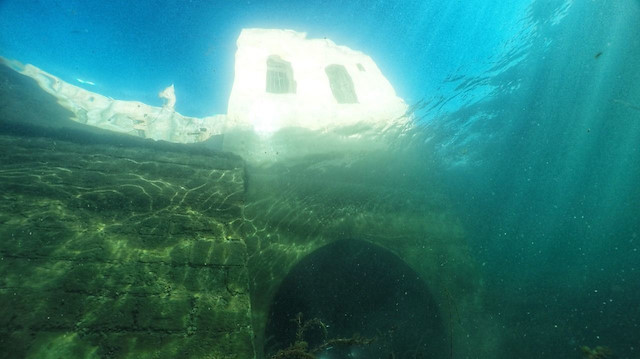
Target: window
341	84
279	76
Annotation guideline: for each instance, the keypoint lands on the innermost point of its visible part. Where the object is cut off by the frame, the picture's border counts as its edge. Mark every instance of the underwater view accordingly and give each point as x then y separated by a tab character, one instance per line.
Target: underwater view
279	179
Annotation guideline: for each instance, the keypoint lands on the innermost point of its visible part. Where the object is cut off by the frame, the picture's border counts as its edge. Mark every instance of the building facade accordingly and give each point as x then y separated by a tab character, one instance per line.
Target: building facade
283	79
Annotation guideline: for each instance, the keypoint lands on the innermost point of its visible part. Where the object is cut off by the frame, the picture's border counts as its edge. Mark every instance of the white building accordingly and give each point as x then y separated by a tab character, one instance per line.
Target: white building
283	79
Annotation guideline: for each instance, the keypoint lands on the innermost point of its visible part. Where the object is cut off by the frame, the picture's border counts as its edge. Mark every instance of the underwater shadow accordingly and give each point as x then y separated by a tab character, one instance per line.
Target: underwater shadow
352	299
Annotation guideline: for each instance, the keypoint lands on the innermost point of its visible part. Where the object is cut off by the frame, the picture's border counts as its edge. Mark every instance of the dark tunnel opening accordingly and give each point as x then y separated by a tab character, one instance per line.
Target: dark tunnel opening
357	290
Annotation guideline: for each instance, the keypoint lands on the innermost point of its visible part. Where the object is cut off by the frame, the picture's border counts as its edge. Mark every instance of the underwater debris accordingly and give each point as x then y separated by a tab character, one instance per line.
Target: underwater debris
598	352
300	348
452	303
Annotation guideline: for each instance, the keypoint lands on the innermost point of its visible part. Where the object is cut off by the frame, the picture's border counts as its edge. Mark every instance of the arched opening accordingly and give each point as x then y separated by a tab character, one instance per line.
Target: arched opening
341	84
279	76
357	290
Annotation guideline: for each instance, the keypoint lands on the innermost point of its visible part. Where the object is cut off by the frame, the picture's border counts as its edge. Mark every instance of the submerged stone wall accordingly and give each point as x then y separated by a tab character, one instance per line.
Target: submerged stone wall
297	207
116	252
116	247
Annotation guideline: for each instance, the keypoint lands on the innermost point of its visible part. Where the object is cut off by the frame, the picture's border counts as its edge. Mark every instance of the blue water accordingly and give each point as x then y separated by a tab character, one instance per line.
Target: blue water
544	158
531	111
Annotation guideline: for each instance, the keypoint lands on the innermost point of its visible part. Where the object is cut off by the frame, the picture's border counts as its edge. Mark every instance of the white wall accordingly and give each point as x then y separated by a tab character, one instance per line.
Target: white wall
130	117
313	106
